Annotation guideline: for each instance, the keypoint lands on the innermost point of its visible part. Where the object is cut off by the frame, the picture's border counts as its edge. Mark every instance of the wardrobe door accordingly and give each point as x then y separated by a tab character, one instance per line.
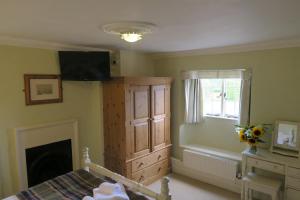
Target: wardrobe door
140	120
160	116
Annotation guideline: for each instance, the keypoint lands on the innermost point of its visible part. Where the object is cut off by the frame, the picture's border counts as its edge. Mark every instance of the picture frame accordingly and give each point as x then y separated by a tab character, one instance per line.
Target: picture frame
42	89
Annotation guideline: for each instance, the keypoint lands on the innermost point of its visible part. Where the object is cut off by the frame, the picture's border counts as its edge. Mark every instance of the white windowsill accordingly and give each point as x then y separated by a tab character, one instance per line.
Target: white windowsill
219	117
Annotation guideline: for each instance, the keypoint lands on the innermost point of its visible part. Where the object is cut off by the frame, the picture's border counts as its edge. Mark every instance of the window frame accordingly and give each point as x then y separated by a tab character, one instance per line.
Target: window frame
223	96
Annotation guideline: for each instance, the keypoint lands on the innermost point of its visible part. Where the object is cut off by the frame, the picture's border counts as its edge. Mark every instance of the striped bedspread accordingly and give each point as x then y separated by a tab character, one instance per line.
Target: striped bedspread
71	186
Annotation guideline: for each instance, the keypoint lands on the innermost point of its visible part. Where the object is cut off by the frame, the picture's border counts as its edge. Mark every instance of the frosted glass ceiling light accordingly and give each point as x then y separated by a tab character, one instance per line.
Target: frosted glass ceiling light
129	31
131	37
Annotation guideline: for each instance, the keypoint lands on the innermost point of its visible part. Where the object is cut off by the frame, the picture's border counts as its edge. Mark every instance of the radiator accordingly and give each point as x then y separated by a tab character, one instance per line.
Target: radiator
210	164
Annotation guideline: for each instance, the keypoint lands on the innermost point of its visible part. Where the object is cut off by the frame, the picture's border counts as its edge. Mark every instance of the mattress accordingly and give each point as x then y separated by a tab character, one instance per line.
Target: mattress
71	186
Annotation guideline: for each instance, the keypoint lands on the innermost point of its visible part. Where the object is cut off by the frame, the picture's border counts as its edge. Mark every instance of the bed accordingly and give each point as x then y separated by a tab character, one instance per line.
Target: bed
77	184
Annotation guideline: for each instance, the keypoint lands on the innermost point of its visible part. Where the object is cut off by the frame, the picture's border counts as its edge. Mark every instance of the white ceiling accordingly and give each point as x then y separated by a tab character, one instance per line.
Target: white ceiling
182	24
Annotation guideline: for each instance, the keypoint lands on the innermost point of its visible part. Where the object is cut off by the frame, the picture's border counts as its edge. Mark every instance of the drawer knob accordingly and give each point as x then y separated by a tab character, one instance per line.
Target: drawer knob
159	169
141	164
141	178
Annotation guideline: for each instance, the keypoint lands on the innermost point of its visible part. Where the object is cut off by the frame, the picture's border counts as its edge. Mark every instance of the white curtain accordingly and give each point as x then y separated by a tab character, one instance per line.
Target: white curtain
245	97
193	101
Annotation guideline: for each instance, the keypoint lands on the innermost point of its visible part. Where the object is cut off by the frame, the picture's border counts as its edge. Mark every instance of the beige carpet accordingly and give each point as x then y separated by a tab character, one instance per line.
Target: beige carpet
184	188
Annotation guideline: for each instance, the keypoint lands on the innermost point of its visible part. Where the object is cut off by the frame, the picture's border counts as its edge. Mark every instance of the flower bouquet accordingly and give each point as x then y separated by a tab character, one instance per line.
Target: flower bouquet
252	135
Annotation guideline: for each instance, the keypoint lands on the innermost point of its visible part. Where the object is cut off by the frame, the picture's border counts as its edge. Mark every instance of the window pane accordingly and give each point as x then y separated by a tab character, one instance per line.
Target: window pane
212	99
232	89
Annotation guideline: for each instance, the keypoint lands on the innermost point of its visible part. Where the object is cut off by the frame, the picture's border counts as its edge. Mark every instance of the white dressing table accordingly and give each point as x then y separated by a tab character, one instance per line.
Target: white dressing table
288	167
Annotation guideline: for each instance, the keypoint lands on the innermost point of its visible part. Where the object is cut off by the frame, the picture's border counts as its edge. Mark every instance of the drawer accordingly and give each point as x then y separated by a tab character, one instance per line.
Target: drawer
148	160
292	194
269	166
293	182
148	172
293	172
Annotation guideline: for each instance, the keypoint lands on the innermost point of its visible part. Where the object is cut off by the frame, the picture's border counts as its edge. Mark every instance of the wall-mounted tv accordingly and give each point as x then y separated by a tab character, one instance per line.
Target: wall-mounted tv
84	66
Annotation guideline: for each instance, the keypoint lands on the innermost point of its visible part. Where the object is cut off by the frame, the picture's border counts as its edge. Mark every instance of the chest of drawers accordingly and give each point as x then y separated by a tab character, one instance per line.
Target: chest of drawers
149	160
148	168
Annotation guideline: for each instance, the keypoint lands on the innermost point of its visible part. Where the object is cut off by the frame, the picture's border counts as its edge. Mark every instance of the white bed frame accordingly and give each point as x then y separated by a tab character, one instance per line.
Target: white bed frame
137	187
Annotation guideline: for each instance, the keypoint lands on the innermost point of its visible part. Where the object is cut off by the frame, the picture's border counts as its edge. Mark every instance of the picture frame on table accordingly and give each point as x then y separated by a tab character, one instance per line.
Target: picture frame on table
42	89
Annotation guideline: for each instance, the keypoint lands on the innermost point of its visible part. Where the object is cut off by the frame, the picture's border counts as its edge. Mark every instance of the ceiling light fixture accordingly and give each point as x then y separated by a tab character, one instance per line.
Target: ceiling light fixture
129	31
131	37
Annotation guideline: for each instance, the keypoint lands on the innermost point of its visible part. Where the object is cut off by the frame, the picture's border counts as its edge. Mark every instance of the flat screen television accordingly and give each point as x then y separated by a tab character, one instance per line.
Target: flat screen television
84	66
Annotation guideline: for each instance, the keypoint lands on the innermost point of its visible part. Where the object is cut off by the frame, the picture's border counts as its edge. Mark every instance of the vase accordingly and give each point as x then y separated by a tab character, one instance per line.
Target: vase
253	149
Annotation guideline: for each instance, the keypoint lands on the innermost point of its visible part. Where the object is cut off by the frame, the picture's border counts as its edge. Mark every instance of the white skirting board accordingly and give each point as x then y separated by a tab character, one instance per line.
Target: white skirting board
179	168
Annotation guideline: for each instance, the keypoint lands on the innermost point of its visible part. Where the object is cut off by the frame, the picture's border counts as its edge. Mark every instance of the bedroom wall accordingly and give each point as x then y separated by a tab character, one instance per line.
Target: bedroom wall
81	101
134	63
275	93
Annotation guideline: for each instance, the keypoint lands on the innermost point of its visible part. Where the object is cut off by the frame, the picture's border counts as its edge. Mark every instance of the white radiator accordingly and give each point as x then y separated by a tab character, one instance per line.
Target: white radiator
210	164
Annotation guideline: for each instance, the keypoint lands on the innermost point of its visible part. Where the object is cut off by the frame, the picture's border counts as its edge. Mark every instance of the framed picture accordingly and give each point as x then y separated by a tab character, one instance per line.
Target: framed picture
41	89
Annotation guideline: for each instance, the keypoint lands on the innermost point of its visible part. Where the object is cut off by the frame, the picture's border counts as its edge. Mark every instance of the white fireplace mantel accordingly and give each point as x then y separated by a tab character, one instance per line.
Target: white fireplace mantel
33	136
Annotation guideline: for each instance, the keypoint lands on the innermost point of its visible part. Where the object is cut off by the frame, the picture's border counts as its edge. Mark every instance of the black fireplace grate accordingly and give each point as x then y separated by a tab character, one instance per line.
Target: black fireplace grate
48	161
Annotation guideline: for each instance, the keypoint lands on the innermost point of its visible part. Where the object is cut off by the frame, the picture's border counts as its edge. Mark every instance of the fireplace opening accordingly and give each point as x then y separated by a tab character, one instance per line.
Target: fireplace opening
48	161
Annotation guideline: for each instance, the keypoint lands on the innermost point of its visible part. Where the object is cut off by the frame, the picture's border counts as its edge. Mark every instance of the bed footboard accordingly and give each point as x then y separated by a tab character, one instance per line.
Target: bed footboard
163	195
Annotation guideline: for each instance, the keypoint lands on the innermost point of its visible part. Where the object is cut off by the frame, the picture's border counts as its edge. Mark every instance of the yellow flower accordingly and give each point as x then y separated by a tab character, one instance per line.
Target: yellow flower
257	132
242	136
242	131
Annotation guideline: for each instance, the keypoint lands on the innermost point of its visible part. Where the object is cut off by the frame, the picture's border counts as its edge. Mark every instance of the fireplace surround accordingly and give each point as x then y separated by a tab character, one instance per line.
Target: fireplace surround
26	139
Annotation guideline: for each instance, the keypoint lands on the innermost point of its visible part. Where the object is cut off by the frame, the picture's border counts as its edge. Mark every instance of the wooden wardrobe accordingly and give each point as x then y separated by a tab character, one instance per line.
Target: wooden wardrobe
137	127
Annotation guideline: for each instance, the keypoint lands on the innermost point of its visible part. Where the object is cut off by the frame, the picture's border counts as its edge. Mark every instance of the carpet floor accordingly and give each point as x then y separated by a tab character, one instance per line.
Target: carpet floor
184	188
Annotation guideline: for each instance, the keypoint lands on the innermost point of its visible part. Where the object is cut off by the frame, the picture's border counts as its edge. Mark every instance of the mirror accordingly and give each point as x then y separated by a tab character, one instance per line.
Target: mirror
286	138
287	135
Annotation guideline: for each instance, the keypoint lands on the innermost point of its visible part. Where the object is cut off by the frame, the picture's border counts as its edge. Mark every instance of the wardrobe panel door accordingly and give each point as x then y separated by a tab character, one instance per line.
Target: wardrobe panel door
159	133
160	116
141	137
140	120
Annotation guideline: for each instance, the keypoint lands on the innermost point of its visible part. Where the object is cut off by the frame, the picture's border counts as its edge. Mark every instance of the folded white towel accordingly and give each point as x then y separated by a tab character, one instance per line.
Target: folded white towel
88	198
108	191
105	188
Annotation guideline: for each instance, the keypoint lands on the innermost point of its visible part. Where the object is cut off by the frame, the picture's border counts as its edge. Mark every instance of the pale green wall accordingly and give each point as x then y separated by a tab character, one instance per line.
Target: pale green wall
82	101
134	63
275	93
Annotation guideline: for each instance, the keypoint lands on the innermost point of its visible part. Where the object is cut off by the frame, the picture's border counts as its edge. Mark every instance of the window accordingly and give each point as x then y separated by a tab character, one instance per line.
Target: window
219	93
221	97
